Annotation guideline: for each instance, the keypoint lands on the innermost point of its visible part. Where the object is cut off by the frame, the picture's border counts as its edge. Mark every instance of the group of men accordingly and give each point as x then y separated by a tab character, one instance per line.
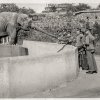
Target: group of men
85	43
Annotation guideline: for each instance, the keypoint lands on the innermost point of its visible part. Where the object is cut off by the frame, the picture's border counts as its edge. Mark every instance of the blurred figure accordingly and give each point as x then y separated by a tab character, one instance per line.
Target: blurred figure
89	43
96	28
79	45
87	26
79	39
83	55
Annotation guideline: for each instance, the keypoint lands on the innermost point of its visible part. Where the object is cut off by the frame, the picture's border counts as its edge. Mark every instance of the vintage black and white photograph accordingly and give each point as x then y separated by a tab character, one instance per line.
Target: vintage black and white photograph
49	49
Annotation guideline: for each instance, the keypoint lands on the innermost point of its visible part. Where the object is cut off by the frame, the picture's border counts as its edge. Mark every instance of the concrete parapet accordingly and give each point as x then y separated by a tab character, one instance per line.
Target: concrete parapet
38	49
12	50
30	74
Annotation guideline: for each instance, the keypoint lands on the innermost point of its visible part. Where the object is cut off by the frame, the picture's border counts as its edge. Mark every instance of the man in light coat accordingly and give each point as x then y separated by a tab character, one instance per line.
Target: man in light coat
89	42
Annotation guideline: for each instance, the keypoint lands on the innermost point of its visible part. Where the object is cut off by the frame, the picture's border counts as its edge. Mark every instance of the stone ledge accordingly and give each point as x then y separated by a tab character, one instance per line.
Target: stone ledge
12	51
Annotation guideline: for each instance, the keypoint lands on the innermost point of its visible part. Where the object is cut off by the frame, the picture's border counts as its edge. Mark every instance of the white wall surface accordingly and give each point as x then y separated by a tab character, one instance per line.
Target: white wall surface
31	74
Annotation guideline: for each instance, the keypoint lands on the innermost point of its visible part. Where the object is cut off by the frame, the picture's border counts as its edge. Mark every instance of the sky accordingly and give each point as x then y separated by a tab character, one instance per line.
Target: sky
39	5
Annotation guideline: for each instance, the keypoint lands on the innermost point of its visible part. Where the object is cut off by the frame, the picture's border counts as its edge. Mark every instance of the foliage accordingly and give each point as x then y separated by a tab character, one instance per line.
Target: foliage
8	7
56	25
67	7
26	11
82	6
61	25
96	28
11	7
53	8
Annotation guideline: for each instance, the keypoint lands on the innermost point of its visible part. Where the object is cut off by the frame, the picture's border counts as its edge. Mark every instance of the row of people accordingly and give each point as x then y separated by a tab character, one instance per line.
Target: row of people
85	42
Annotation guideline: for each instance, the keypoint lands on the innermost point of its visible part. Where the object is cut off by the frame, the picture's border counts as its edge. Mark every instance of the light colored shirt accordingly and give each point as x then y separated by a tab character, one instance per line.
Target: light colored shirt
90	41
79	40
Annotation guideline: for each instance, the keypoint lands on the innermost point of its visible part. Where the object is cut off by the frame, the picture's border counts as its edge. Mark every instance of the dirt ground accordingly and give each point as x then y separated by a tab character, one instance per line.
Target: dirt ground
85	86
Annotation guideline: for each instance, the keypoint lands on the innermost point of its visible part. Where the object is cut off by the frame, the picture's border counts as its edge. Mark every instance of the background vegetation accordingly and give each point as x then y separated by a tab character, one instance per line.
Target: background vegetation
54	21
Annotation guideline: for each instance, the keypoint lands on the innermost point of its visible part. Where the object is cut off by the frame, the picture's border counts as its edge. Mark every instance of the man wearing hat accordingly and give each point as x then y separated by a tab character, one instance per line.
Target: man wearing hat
89	43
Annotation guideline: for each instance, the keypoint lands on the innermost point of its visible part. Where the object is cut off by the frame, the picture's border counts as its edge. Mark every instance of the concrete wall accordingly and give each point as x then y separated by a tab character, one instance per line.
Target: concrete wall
33	73
12	50
38	49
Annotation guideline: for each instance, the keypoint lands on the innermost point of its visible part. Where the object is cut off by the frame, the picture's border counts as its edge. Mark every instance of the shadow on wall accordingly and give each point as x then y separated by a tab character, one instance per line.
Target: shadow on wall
12	51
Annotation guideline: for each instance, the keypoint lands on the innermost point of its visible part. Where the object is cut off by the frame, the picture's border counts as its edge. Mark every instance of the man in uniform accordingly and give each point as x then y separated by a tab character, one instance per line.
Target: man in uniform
89	42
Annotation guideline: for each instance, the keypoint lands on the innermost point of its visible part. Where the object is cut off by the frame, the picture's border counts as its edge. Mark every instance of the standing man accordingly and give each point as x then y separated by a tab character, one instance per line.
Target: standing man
79	45
79	37
89	42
